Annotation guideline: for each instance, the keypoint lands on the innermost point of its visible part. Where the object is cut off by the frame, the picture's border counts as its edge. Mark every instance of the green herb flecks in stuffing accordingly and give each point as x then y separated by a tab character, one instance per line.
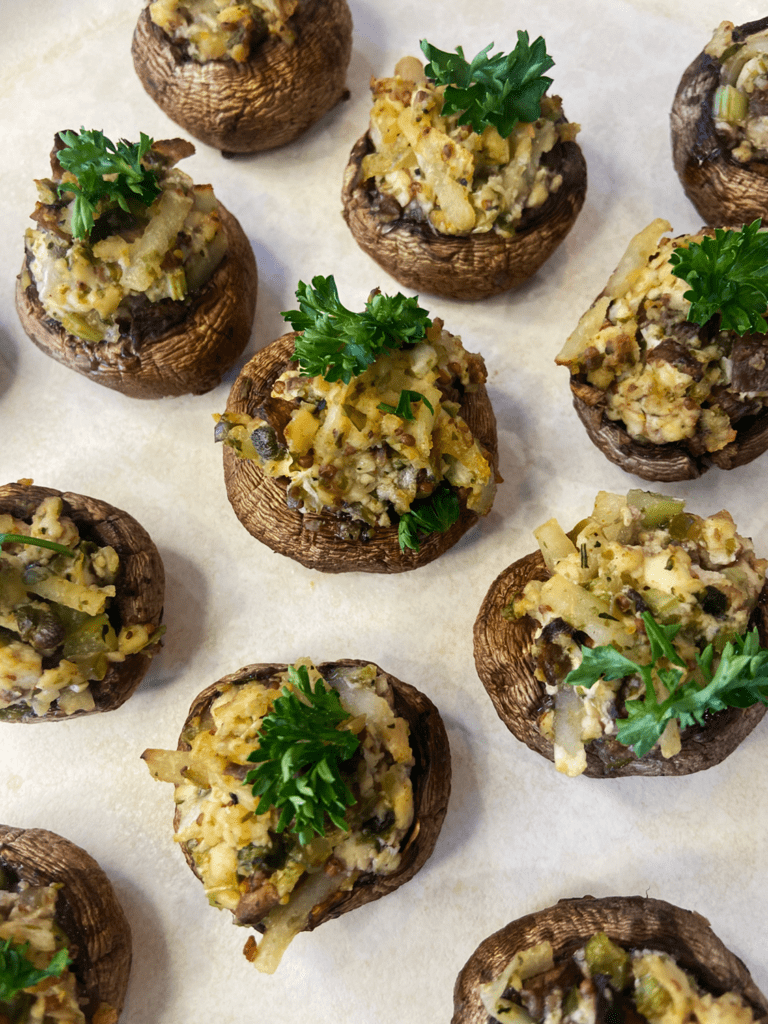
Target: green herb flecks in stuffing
403	408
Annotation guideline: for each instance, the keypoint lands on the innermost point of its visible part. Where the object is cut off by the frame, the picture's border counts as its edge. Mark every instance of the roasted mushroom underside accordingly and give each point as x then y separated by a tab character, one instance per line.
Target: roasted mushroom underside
430	777
505	666
87	910
467	266
723	190
313	539
140	586
176	349
265	102
634	922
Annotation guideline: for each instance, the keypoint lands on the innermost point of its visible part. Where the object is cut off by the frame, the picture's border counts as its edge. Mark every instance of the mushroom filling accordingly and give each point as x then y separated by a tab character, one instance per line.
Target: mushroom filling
28	920
740	100
603	983
344	452
247	863
142	265
666	380
218	29
432	169
59	634
632	555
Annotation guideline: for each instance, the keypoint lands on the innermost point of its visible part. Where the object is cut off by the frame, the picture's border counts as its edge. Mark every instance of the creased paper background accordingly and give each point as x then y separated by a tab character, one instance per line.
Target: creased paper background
517	836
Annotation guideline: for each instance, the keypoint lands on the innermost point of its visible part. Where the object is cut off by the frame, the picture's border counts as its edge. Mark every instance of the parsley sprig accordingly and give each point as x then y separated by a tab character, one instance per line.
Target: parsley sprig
338	344
300	754
403	408
18	973
431	515
740	680
497	90
728	274
22	538
90	156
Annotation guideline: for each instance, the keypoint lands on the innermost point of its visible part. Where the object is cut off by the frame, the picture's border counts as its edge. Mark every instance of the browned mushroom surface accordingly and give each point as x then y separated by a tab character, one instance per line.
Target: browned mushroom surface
322	540
268	100
87	910
633	922
515	675
153	301
263	875
138	600
467	266
450	212
660	396
724	189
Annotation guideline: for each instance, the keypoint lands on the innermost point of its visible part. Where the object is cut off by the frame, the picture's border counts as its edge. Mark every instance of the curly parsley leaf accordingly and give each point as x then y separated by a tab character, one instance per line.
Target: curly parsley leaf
336	343
18	973
740	680
90	156
300	753
497	90
403	408
431	515
727	274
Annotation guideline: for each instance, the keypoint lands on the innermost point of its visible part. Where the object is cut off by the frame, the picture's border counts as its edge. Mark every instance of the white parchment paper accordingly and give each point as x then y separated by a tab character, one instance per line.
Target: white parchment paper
517	836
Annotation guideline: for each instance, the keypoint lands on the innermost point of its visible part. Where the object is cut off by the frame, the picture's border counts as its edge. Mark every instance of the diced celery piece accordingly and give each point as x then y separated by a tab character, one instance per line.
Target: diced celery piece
728	104
657	509
605	957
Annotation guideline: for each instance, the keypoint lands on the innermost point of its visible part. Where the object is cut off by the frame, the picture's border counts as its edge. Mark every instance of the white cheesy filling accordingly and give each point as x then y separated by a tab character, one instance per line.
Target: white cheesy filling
447	174
56	638
220	29
642	552
343	452
239	855
661	376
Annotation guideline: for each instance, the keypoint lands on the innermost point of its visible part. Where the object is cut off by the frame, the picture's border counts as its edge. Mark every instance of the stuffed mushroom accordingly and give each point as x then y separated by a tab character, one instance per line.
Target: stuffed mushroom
457	192
302	793
611	650
668	365
618	959
377	453
244	77
66	940
81	600
720	126
134	276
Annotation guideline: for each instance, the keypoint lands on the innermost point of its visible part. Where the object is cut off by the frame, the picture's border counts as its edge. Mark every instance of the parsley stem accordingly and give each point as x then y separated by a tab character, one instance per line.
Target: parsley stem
20	538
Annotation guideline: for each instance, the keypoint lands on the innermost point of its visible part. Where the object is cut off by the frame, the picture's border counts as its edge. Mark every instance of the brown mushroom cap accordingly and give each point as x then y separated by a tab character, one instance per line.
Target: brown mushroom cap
189	357
140	586
260	503
723	190
430	778
505	666
86	908
268	100
467	266
633	922
663	462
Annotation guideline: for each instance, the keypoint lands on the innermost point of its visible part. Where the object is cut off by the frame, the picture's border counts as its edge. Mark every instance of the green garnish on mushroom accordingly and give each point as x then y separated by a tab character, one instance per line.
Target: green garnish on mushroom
104	171
497	90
